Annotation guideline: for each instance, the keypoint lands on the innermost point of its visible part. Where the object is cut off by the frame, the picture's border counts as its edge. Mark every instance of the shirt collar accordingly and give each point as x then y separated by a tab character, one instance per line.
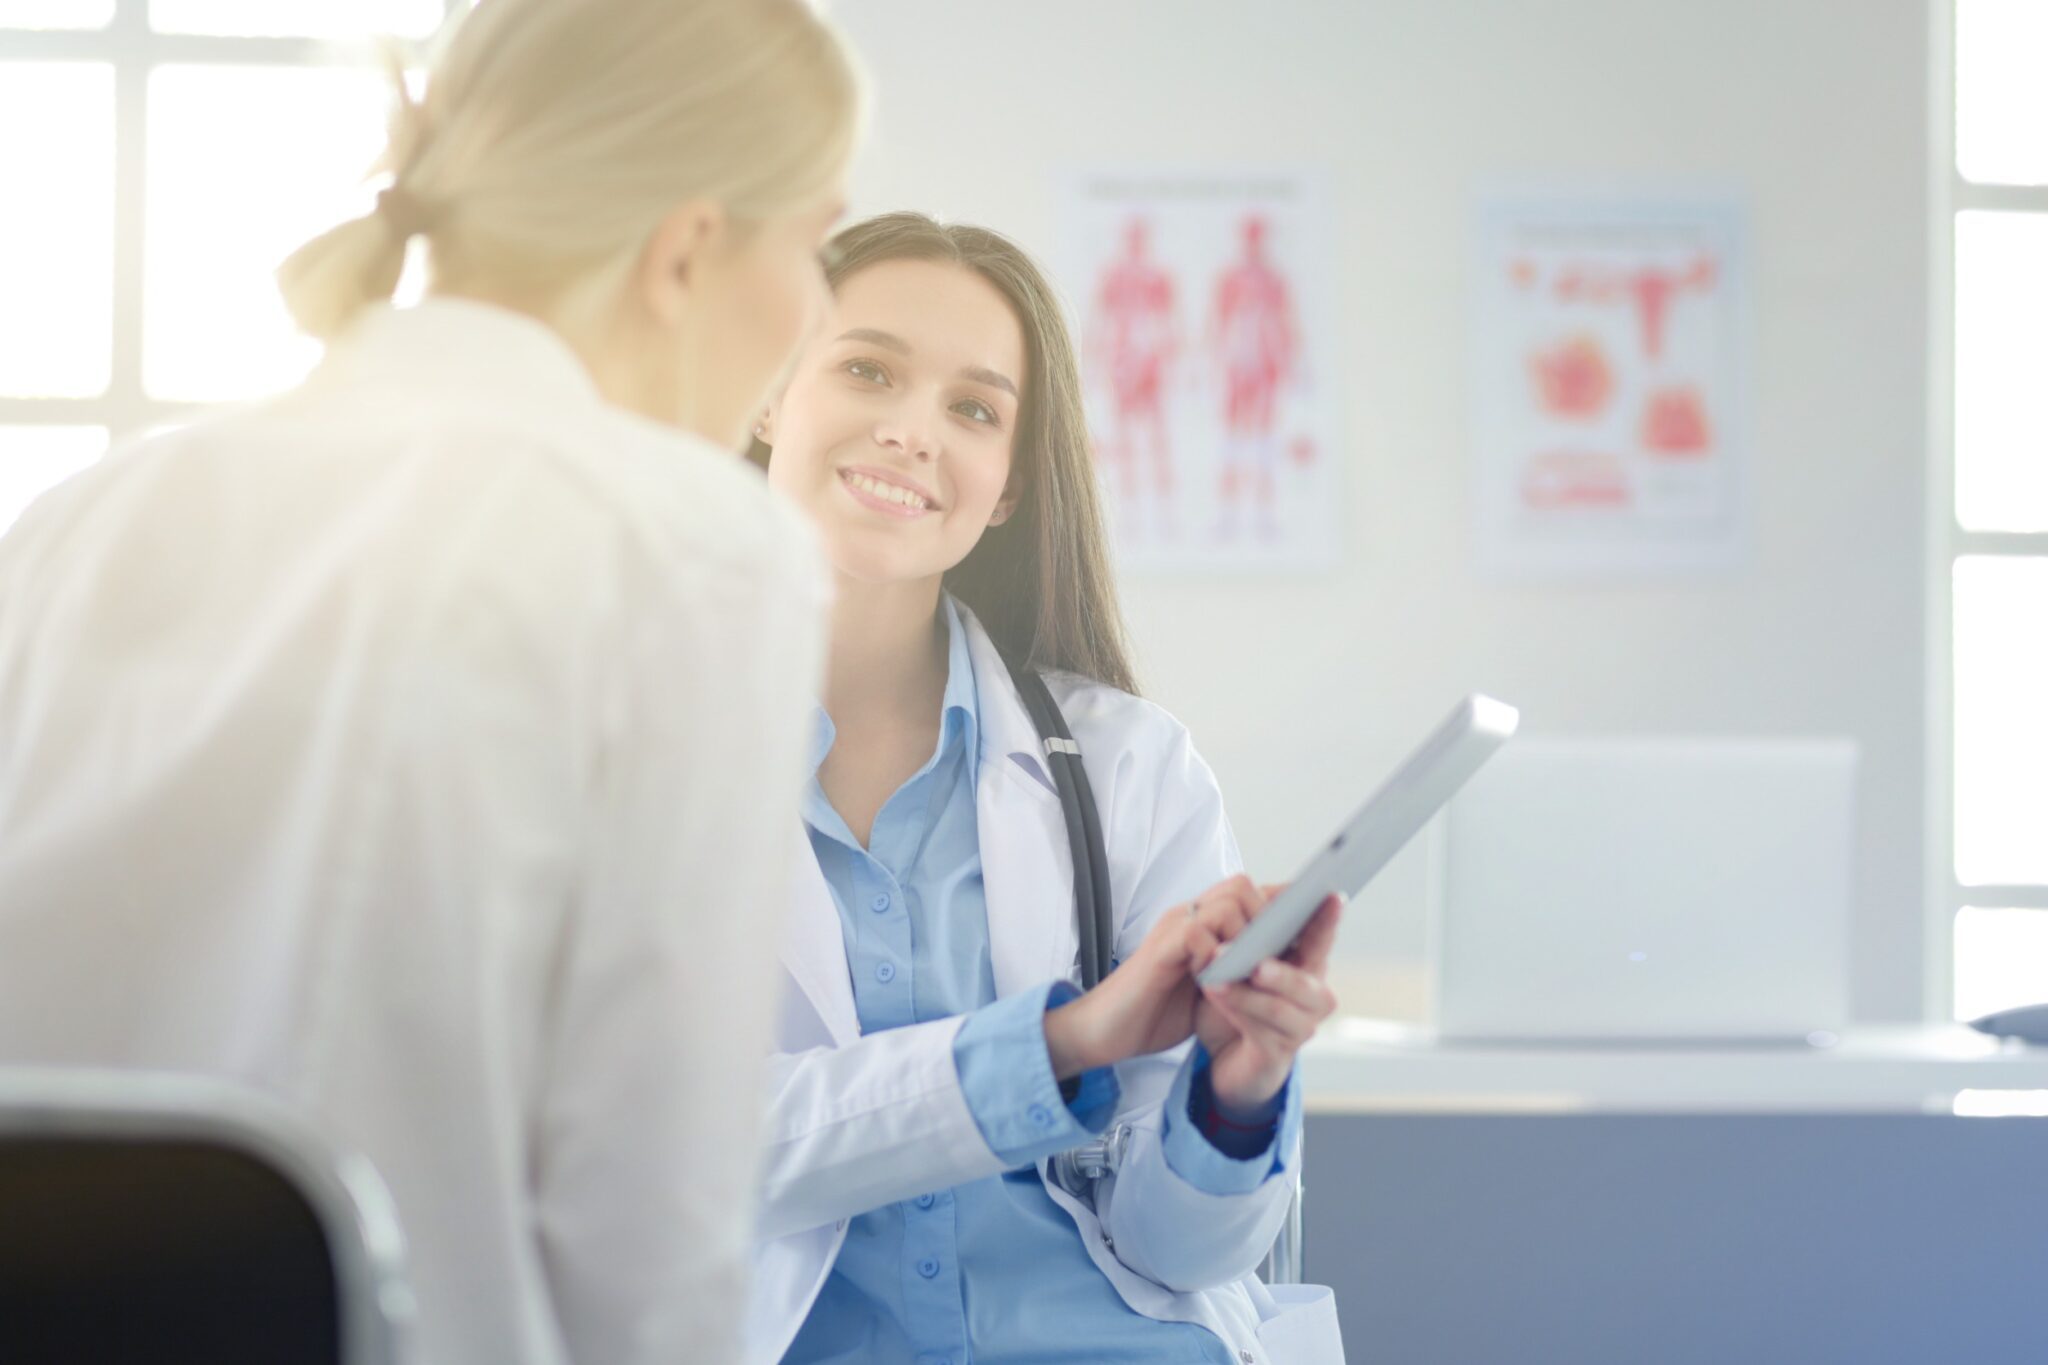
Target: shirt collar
960	713
959	708
1007	728
823	735
453	346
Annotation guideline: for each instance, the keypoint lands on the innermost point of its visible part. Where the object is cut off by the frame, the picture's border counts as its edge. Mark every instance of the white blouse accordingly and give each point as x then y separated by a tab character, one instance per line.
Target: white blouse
422	747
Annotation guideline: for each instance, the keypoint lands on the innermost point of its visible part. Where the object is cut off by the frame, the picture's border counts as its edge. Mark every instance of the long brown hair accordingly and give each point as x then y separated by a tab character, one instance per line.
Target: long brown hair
1041	581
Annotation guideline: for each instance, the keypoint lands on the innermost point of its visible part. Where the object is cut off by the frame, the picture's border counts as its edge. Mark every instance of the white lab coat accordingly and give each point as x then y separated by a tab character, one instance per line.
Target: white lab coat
859	1122
419	748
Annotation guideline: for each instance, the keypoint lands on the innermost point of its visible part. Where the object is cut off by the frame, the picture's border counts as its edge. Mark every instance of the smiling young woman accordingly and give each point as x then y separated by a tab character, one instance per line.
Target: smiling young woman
1039	580
933	1056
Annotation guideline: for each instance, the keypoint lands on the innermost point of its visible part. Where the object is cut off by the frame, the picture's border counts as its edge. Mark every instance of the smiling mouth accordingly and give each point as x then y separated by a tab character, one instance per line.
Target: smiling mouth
877	490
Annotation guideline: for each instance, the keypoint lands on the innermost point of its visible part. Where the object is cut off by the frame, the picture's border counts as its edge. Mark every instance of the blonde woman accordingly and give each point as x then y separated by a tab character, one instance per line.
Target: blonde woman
418	747
933	1058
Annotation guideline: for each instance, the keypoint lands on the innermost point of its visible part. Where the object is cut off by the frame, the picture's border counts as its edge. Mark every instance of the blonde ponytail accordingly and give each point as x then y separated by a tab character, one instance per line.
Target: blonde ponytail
330	279
553	137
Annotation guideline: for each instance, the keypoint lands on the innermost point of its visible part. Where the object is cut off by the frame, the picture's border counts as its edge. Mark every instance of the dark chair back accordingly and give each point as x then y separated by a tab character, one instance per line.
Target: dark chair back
159	1219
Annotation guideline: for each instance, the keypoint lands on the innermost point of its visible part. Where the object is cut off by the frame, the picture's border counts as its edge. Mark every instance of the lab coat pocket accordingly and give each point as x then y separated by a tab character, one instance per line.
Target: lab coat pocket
1304	1331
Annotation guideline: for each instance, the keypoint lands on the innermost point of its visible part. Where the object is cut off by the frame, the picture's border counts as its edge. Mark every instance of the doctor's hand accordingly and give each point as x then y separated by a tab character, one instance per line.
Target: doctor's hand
1149	1003
1253	1028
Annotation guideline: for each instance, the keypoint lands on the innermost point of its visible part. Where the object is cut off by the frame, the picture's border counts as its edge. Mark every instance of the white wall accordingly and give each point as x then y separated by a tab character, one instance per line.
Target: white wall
1301	691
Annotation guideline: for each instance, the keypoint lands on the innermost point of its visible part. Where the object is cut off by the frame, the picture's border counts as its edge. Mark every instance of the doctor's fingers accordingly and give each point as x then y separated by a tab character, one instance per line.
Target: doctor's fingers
1278	1024
1311	949
1219	919
1275	1043
1304	989
1227	907
1238	890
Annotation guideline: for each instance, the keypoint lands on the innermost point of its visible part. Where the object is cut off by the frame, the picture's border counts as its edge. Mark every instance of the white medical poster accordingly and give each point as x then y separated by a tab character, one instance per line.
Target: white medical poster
1608	386
1201	310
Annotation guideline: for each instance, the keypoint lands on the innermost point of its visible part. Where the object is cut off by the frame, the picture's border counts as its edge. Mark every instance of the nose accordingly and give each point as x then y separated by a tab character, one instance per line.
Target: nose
906	433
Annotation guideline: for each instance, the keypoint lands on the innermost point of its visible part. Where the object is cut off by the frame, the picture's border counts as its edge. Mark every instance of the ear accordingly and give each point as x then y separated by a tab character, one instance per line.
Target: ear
771	411
674	258
1013	494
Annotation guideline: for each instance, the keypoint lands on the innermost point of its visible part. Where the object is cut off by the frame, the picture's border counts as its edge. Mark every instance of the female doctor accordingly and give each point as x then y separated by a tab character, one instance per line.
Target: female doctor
933	1058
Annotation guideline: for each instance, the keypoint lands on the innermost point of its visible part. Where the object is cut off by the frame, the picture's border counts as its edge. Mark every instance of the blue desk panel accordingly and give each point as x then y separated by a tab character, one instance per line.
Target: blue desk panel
1612	1239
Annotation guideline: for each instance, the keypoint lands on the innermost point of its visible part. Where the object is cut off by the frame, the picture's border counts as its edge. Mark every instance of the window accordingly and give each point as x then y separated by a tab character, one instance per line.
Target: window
1988	726
162	157
32	458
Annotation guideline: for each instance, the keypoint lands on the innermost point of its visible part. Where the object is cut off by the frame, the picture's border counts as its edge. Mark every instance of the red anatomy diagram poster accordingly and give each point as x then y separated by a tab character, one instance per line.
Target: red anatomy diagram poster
1205	356
1608	386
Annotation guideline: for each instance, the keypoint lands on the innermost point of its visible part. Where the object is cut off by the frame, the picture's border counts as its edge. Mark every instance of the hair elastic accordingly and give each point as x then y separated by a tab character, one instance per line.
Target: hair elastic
402	210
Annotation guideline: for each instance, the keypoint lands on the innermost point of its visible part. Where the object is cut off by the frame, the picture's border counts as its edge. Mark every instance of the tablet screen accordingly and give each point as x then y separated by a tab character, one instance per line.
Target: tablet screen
1368	841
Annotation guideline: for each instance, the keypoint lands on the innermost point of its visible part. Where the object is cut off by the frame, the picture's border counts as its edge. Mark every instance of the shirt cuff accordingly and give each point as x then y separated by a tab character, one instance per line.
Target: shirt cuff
1006	1077
1226	1159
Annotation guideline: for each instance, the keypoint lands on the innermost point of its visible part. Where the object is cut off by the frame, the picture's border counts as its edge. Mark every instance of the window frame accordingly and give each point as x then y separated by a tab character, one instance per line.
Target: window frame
134	50
1947	540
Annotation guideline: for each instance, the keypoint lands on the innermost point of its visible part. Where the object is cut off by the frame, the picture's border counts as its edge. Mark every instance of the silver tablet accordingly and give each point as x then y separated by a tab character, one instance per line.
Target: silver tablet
1369	840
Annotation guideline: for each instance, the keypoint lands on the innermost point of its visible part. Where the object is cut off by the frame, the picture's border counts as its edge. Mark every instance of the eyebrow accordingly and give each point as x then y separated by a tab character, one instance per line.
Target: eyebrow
890	341
990	378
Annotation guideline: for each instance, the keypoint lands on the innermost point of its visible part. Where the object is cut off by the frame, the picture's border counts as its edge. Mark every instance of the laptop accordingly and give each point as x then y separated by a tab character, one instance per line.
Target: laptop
1656	890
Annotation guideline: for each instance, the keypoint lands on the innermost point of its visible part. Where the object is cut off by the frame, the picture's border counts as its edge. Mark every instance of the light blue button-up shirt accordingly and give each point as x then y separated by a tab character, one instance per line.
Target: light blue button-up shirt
993	1270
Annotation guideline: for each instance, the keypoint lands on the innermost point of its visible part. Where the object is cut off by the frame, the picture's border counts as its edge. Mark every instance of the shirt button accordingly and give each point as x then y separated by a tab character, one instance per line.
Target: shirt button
1040	1115
928	1268
925	1201
879	903
886	973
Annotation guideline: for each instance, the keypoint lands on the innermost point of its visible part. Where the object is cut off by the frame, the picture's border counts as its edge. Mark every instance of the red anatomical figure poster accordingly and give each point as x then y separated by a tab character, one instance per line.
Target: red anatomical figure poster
1200	304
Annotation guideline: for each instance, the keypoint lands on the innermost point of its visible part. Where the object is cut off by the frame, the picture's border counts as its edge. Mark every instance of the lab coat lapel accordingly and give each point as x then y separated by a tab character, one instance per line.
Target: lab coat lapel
1028	878
814	948
1026	862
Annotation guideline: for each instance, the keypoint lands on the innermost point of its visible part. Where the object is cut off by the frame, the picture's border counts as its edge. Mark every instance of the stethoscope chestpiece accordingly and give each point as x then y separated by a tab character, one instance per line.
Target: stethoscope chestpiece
1077	1168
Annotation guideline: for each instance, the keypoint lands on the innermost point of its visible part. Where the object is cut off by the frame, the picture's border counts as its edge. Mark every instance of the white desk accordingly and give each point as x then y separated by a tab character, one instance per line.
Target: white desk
1362	1065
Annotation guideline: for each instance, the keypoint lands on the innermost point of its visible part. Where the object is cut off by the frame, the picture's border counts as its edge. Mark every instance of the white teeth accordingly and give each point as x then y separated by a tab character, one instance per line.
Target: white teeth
888	492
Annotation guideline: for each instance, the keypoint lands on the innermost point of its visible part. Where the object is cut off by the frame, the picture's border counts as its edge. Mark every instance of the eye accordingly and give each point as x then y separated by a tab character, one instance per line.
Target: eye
974	410
867	371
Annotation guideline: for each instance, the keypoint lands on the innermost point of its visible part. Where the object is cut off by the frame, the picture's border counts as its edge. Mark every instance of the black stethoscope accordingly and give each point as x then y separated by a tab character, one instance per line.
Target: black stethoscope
1094	915
1095	925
